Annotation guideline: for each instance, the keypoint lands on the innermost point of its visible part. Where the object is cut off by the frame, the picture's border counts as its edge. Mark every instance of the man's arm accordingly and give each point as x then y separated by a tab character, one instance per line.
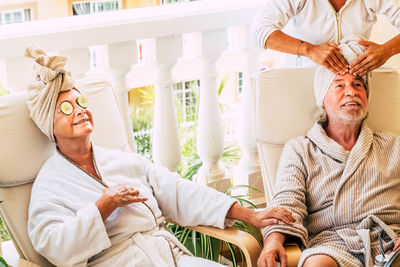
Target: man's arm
290	193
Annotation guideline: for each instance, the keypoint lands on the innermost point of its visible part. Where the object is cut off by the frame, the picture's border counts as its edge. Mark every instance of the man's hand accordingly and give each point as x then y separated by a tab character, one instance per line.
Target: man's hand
117	196
273	251
397	245
374	56
327	54
271	216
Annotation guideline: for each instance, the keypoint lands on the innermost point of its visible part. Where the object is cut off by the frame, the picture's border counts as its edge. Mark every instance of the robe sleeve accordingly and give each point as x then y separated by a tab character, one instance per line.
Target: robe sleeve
389	8
185	202
290	193
64	238
272	17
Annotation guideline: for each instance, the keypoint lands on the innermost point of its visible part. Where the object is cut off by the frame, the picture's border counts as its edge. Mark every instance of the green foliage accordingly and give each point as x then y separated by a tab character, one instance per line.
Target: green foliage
3	262
3	232
144	146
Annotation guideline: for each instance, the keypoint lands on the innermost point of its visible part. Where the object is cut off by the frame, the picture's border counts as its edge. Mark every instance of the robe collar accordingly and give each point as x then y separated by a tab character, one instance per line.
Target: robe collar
331	148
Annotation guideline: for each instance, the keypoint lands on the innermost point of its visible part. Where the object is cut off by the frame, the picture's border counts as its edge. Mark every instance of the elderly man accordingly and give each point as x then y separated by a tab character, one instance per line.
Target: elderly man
341	181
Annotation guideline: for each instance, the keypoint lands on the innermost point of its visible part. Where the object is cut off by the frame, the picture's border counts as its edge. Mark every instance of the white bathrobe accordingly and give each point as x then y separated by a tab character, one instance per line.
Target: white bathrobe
66	227
341	200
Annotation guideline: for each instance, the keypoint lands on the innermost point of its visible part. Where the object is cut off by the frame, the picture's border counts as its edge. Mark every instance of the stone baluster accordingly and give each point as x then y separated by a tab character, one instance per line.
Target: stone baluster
210	142
248	171
120	58
166	144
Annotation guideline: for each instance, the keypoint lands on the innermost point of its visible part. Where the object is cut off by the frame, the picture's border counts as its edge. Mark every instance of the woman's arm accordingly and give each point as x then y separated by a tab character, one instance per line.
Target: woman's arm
259	218
326	54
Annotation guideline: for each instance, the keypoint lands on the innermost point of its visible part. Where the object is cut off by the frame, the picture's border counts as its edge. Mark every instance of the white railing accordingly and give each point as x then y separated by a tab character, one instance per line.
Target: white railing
201	30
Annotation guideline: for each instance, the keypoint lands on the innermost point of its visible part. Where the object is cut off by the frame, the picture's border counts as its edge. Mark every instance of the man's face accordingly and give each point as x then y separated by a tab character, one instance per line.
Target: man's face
346	99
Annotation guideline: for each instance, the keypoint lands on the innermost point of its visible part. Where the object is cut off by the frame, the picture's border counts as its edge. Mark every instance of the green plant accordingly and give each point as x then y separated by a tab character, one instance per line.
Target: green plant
3	232
3	262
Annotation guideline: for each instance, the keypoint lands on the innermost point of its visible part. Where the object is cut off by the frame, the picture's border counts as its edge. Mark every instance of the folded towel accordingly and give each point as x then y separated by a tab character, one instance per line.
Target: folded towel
323	77
42	94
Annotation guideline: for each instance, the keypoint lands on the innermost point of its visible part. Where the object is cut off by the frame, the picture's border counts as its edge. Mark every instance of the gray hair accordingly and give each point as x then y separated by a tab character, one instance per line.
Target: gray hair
321	116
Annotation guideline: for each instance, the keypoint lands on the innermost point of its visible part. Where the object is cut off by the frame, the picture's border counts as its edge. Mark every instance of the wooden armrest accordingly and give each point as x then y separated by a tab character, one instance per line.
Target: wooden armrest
293	253
245	241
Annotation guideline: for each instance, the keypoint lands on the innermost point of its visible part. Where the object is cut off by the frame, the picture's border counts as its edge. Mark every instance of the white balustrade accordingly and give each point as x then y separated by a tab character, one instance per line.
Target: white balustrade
248	171
166	145
121	56
210	142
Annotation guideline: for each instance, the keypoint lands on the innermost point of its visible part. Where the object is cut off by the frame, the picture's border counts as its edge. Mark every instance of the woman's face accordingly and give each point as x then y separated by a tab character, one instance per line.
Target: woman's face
78	124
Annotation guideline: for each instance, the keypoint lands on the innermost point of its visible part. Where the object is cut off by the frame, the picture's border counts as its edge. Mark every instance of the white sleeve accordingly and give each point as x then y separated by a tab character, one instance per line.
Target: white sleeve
186	202
273	16
64	238
389	8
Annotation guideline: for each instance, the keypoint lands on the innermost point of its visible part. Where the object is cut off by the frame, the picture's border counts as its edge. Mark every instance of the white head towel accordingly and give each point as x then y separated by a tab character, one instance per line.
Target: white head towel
51	79
323	77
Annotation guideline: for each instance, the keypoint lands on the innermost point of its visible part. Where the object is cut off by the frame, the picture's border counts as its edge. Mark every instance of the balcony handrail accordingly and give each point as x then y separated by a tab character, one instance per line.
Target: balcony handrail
74	32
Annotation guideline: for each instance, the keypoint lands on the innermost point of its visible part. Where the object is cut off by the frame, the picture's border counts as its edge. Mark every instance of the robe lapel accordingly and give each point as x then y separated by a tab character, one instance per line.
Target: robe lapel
326	145
357	155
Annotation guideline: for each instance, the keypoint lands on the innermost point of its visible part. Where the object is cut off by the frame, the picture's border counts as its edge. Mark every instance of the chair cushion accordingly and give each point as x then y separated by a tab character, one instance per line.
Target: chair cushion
24	148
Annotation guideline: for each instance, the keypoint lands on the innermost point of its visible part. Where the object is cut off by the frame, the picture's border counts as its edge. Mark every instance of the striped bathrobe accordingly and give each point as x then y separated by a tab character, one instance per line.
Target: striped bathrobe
341	200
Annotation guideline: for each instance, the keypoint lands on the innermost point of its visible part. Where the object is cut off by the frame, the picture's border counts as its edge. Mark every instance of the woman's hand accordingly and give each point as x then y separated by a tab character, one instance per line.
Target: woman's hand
272	251
271	216
375	56
117	196
261	218
326	54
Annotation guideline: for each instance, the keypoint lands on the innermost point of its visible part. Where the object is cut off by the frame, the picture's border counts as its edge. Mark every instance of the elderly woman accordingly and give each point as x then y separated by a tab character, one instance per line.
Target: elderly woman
92	206
313	29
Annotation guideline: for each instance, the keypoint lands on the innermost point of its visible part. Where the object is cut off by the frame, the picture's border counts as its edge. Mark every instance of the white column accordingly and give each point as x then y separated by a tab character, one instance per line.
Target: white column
166	144
119	57
248	171
210	142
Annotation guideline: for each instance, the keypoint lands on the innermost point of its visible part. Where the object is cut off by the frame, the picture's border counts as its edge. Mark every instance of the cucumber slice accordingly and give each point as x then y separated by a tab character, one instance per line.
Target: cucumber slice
82	101
66	108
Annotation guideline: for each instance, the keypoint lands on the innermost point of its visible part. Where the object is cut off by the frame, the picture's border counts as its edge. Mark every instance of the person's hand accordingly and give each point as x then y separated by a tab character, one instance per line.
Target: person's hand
121	195
374	56
397	245
273	251
271	216
327	54
117	196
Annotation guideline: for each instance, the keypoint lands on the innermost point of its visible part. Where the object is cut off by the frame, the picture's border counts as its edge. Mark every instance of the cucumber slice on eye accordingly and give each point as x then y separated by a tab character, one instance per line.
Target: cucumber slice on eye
82	101
66	108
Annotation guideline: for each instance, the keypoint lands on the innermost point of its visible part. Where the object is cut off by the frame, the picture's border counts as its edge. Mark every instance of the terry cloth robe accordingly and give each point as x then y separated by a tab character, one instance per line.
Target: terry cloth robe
65	225
341	200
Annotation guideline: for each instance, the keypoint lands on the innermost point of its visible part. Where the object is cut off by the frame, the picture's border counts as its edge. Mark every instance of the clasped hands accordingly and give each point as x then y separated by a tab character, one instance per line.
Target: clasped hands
328	55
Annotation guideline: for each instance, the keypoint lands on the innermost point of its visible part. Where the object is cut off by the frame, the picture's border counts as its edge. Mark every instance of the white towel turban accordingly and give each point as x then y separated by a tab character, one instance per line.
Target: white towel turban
51	79
323	77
